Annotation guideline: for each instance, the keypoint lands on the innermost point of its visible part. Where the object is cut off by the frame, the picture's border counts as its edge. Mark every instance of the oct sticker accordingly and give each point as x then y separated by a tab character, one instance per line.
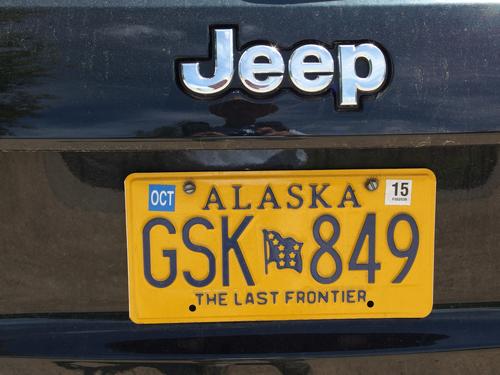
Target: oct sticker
162	198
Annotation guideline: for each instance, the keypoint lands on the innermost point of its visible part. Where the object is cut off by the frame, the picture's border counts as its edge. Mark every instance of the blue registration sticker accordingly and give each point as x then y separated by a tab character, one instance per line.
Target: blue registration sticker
162	198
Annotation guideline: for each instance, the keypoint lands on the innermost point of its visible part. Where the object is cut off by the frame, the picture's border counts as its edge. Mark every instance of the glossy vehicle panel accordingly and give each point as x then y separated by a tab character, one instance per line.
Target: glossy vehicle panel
115	338
93	71
94	83
64	235
460	362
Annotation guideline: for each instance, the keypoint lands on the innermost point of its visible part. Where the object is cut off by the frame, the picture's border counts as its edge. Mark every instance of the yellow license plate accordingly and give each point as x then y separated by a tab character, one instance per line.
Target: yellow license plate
280	245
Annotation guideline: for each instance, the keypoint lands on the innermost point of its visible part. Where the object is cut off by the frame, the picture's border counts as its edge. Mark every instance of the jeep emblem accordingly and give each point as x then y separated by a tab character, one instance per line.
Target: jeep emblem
261	69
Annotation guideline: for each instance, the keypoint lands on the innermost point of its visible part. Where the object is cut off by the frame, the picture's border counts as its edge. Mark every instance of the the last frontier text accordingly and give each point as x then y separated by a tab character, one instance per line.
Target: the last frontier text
310	297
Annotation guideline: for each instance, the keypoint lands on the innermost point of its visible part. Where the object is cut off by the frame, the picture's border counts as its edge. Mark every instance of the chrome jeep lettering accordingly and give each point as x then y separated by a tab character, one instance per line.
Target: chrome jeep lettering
223	71
298	67
262	69
350	83
273	69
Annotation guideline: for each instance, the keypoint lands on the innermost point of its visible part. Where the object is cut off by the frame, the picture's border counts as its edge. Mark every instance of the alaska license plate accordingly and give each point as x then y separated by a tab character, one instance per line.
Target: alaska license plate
280	245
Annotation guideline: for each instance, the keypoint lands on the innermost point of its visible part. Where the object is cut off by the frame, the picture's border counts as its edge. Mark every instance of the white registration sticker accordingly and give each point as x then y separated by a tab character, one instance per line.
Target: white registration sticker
398	192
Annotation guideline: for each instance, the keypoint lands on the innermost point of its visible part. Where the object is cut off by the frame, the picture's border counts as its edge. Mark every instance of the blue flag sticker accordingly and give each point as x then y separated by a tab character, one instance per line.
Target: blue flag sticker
162	198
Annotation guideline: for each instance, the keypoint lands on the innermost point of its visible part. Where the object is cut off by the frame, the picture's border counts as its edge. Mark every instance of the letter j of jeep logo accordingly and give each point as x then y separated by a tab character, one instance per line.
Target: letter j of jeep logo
262	70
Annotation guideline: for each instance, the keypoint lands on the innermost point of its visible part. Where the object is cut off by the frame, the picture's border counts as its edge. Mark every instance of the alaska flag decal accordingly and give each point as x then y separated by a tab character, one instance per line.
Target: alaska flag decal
285	252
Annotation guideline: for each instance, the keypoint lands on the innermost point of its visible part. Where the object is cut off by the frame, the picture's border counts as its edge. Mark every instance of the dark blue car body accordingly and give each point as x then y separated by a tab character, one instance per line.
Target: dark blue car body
89	94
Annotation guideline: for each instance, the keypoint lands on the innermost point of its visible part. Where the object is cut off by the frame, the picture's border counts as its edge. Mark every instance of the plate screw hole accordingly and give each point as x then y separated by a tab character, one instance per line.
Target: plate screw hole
189	187
192	308
370	304
371	184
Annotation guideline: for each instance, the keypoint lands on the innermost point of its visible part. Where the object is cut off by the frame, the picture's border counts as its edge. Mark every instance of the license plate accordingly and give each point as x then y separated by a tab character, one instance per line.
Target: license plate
280	245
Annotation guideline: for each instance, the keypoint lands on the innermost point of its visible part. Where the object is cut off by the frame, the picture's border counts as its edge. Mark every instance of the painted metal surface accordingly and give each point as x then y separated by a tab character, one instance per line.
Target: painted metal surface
64	236
89	70
460	362
92	71
280	245
93	337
